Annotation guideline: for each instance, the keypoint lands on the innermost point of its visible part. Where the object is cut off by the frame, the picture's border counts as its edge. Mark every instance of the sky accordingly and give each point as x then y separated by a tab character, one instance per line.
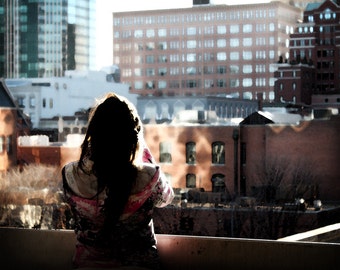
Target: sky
104	19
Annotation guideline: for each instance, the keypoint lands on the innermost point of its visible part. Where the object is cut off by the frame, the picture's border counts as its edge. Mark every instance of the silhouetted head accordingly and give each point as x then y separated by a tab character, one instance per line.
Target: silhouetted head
113	132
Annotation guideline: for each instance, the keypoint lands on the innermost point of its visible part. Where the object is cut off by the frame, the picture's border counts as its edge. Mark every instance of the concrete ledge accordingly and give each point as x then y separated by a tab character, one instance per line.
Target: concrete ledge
51	249
330	233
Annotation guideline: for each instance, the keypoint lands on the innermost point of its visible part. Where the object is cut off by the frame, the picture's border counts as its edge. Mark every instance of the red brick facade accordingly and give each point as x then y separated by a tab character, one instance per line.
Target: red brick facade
312	148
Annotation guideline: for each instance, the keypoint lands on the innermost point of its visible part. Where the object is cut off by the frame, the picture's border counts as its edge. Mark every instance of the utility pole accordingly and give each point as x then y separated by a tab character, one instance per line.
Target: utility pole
235	138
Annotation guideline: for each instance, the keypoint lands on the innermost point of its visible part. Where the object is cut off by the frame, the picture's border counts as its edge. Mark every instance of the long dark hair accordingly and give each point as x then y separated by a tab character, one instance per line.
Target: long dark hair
112	143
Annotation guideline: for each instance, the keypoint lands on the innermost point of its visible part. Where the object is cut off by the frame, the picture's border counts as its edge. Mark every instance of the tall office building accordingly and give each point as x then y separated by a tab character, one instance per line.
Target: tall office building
203	50
43	38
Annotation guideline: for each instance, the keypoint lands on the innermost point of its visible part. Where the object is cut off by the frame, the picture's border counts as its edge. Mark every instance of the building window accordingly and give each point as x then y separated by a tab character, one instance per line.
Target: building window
208	69
247	55
191	57
221	43
2	144
190	180
234	56
191	153
208	30
162	71
138	72
191	70
234	29
165	152
174	71
208	83
234	83
150	59
234	69
191	44
222	69
191	31
162	84
8	147
162	32
247	28
209	43
247	42
138	33
234	42
247	82
150	72
162	46
247	69
208	57
138	85
221	56
221	29
221	83
294	86
218	153
174	84
218	184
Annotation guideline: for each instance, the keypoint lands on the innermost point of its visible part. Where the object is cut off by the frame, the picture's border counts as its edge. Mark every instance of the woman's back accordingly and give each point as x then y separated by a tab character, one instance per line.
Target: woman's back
112	191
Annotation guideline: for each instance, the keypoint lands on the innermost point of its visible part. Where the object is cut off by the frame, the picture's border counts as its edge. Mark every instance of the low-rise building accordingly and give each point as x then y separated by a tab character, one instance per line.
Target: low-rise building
46	100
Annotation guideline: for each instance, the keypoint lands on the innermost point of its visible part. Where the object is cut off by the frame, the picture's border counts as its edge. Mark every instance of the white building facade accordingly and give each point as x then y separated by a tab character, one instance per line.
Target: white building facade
45	100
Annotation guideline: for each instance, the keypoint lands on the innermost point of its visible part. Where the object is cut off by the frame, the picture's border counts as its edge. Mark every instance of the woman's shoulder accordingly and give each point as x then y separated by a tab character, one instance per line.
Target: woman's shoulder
148	168
145	174
80	182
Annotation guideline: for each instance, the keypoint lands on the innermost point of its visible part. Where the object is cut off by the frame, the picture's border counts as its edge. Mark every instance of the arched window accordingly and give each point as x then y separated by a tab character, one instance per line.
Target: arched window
218	183
190	180
165	152
218	153
191	153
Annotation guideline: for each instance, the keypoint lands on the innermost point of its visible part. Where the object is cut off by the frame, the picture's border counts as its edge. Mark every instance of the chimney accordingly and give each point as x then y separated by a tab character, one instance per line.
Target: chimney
259	97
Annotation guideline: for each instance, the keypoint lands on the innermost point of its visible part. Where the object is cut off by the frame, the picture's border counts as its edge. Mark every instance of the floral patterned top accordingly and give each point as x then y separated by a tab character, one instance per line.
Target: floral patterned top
132	241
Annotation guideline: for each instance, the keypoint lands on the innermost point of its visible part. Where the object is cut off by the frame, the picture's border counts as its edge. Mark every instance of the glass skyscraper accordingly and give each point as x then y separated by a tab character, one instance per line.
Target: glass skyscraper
43	38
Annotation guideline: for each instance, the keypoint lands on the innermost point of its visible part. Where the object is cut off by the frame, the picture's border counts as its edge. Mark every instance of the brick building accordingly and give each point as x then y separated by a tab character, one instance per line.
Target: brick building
312	74
203	50
237	159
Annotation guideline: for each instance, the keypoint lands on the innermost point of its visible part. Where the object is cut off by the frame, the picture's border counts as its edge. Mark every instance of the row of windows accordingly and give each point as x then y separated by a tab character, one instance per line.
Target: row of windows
217	153
32	102
293	86
196	57
207	83
191	17
194	44
194	30
218	182
192	70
